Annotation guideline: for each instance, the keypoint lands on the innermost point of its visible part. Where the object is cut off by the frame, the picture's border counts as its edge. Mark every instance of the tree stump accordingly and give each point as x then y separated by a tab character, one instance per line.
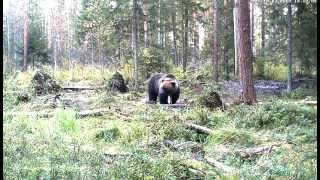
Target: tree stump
211	99
44	84
116	83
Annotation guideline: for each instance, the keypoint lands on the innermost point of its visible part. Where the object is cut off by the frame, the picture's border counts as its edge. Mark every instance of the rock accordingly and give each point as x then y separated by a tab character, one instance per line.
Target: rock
44	84
116	83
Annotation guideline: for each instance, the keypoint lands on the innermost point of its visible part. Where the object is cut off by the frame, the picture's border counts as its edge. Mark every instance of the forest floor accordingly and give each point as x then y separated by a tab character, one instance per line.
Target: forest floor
92	134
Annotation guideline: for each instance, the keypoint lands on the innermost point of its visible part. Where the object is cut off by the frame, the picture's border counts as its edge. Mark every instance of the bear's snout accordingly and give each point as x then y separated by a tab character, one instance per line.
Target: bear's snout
173	84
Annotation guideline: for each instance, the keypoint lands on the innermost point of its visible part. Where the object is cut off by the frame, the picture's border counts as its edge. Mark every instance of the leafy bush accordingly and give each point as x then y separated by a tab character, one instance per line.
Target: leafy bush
81	73
258	67
275	114
152	62
109	135
66	120
299	93
230	135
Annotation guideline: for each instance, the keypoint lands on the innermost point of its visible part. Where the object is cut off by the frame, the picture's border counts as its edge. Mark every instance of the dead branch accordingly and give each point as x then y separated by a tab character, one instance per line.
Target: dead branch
219	165
311	103
250	152
95	112
81	88
199	128
180	146
30	114
174	105
197	171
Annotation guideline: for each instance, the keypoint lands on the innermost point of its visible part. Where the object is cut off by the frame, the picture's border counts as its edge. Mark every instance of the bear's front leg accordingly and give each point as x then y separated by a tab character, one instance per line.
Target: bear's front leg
163	98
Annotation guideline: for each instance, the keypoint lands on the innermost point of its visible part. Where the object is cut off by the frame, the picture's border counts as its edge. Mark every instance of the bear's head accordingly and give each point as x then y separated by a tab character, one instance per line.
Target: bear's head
169	83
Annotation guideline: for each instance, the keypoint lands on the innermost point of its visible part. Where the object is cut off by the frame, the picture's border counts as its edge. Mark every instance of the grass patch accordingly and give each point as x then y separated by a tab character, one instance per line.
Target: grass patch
276	114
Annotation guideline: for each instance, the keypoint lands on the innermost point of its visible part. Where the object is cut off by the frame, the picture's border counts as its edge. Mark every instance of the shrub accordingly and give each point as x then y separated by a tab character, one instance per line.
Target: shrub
274	114
230	135
109	135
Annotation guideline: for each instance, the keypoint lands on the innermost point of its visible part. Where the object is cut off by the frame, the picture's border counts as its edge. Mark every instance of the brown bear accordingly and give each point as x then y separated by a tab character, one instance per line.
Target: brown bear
163	85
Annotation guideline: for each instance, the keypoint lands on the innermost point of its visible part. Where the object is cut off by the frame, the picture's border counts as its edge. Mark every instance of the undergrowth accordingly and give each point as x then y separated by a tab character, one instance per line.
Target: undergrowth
127	142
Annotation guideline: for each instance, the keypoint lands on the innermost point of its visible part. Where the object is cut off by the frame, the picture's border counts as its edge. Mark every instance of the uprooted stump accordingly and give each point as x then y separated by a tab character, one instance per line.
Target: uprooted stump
44	84
211	99
116	83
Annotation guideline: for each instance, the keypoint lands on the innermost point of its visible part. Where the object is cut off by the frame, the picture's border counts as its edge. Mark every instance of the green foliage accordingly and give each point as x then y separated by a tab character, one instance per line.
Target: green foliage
141	166
109	135
152	61
179	74
263	68
130	144
82	73
299	93
66	120
230	135
276	72
179	132
38	51
276	114
136	132
258	67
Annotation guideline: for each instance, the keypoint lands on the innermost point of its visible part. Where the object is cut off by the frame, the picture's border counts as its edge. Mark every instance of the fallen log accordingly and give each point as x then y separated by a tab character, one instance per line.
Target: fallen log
311	103
95	112
179	105
219	165
174	105
30	114
181	146
199	128
81	88
250	152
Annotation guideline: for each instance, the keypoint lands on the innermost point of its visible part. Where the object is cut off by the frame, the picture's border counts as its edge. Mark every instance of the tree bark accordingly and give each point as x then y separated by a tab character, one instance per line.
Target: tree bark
135	42
145	24
262	29
289	57
8	38
185	53
236	40
195	56
159	23
216	45
245	52
225	48
174	38
252	26
25	37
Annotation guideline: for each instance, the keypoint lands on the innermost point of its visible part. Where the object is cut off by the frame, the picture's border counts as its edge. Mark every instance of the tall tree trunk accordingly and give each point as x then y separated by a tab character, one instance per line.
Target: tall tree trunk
174	38
289	85
159	23
135	42
92	53
236	40
245	52
262	29
252	26
145	24
8	38
185	53
225	49
216	45
182	39
195	56
25	37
